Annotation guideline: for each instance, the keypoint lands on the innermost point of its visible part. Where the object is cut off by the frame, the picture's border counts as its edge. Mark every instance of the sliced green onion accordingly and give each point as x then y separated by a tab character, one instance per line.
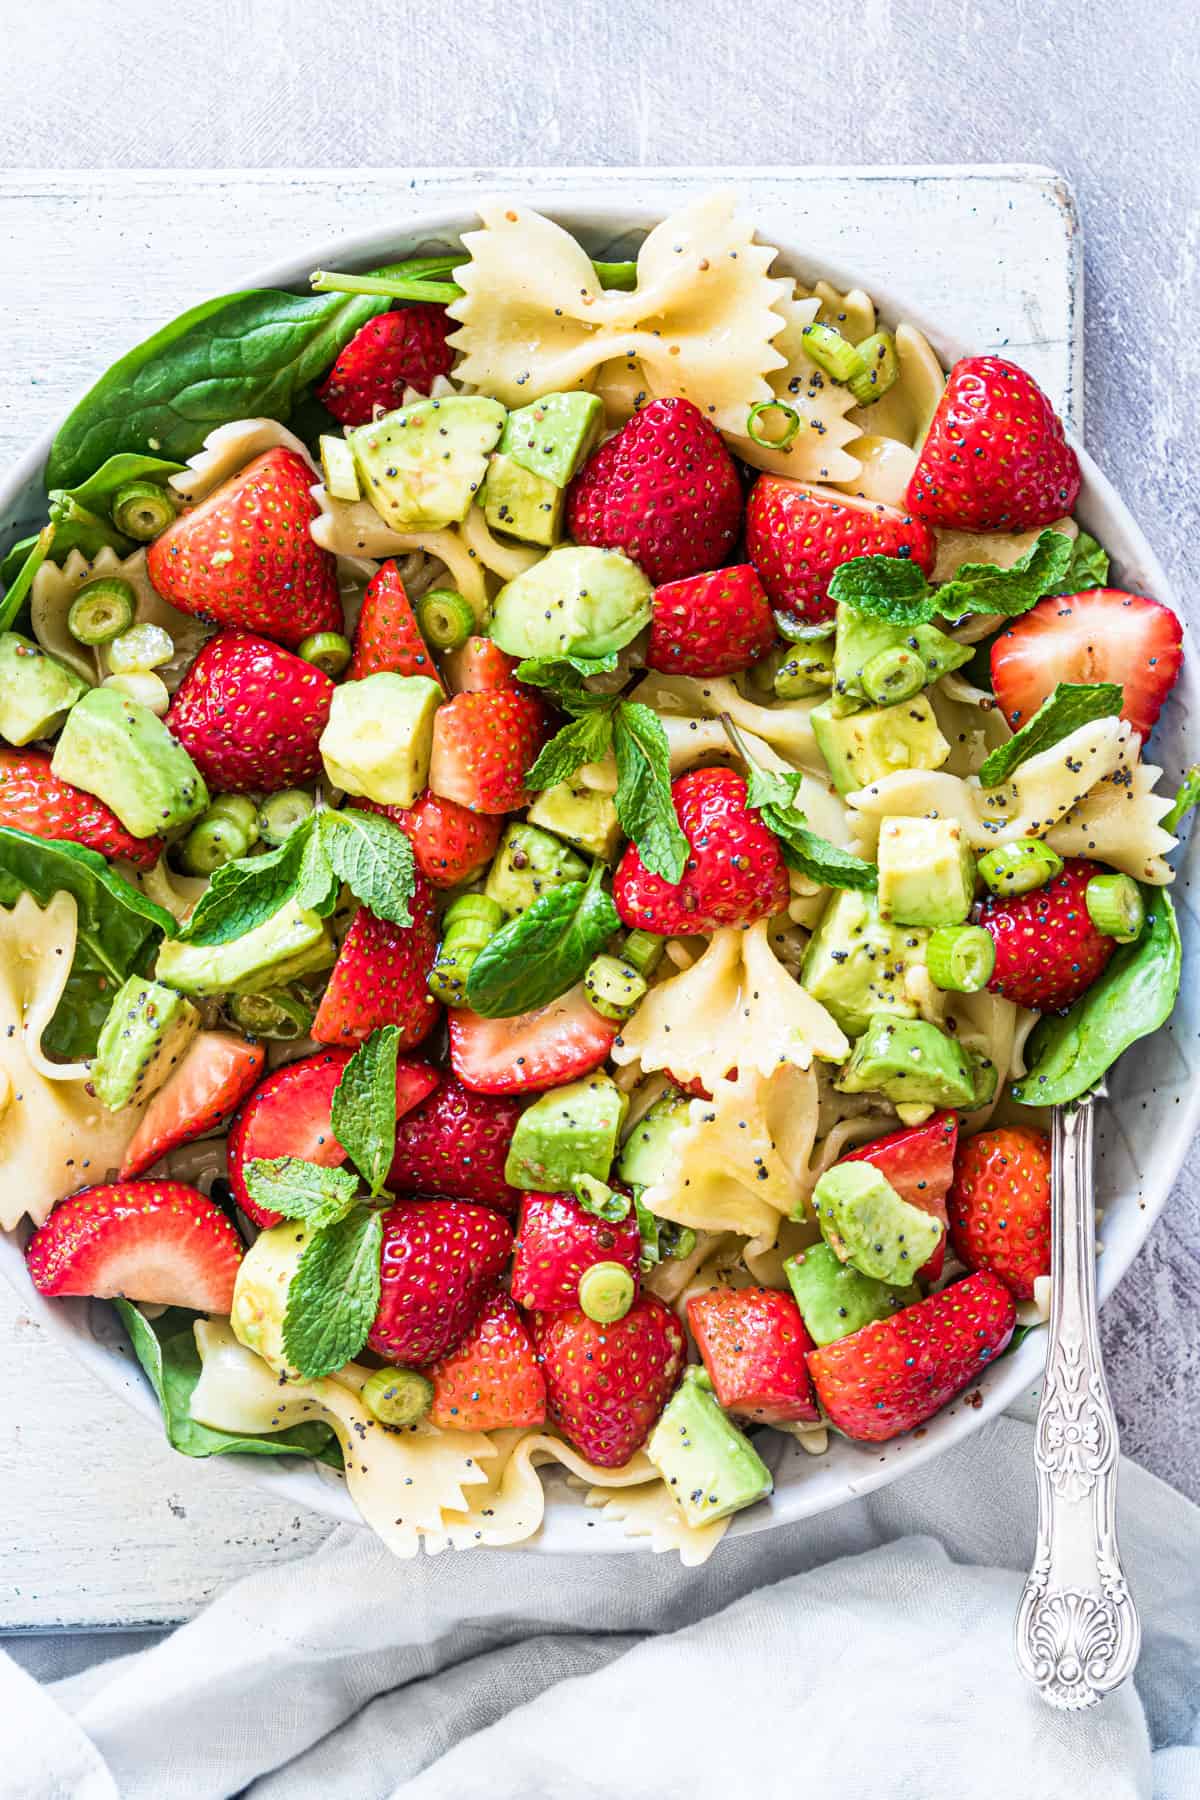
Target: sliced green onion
612	987
446	618
806	671
1019	867
212	842
893	675
143	510
831	352
101	610
606	1292
279	814
141	647
328	651
468	925
239	811
679	1240
790	424
1115	906
1187	797
338	468
397	1396
882	369
144	686
960	958
644	950
15	593
803	631
275	1014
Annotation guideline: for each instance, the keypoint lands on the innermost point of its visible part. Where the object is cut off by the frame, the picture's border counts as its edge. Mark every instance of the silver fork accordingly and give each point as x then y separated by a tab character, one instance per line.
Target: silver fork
1077	1629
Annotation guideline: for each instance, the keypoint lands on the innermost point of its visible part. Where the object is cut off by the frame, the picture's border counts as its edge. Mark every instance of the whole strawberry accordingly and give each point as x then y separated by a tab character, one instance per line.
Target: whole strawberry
607	1384
710	624
493	1379
664	489
379	978
557	1241
387	639
161	1242
250	715
483	744
796	536
450	844
1048	952
33	799
734	872
439	1263
1000	1205
455	1143
245	556
995	457
394	351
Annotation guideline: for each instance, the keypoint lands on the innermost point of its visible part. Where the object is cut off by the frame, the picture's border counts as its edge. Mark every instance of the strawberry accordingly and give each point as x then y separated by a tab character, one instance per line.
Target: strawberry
1000	1205
217	1072
557	1241
1048	952
393	351
734	874
754	1343
440	1261
994	458
607	1384
250	715
379	978
482	745
492	1379
1100	635
796	536
894	1374
156	1241
245	557
535	1050
449	843
479	665
387	639
455	1144
664	489
33	799
710	624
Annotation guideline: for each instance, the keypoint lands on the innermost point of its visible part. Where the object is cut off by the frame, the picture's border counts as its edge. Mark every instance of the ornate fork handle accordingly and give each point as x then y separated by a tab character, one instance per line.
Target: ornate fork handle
1077	1627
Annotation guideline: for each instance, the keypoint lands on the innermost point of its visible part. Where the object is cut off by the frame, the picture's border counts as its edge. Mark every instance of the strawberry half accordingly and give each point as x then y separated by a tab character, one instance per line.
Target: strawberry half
33	799
250	715
1048	952
796	536
607	1384
387	638
483	743
492	1379
557	1242
754	1345
379	978
450	844
1000	1206
995	457
440	1261
245	557
710	624
1100	635
217	1072
394	351
455	1143
734	873
156	1241
543	1049
664	489
478	667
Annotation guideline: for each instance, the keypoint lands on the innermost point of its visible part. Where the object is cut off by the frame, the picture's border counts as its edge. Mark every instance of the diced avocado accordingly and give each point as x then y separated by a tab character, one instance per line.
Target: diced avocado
527	865
36	691
862	747
525	505
567	1132
147	1030
582	815
260	1293
118	750
290	944
803	669
710	1467
835	1299
912	1062
647	1156
380	735
855	964
552	436
421	467
578	601
865	1222
861	637
926	872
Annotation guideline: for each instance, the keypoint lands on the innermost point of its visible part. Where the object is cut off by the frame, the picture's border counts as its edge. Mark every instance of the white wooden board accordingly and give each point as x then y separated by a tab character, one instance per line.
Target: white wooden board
101	1524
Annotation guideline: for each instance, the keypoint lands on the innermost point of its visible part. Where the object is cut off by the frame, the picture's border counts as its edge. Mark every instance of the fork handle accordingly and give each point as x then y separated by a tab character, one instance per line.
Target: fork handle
1077	1628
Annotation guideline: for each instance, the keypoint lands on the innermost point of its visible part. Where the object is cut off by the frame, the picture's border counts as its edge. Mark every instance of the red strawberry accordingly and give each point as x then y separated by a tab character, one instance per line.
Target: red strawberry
245	556
664	489
796	536
1000	1206
1048	952
482	745
387	639
543	1049
34	800
478	666
250	715
379	978
440	1261
449	843
394	351
455	1144
754	1343
918	1161
557	1241
216	1074
492	1379
157	1241
734	874
607	1384
897	1372
994	458
1100	635
710	624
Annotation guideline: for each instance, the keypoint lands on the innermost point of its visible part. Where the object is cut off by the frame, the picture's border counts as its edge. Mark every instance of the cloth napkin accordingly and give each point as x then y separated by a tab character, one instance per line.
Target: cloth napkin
862	1654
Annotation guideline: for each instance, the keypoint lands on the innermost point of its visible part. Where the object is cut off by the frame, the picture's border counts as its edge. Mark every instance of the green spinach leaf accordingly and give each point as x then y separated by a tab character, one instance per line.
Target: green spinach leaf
537	957
1072	704
116	921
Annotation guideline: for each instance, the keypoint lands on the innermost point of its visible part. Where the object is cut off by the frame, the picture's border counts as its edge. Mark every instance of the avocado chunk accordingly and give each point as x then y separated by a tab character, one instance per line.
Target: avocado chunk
525	505
861	637
835	1298
926	872
583	816
290	944
855	963
862	747
578	601
912	1062
422	466
647	1156
116	749
379	737
527	865
865	1222
36	692
711	1468
147	1030
552	436
569	1132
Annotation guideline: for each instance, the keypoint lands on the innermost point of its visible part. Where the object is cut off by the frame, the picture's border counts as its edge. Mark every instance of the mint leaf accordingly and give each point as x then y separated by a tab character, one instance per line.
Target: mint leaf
1187	797
812	855
643	798
982	588
301	1190
317	887
364	1107
769	787
1088	566
1072	704
586	739
244	894
565	675
538	956
597	1198
334	1295
885	587
375	860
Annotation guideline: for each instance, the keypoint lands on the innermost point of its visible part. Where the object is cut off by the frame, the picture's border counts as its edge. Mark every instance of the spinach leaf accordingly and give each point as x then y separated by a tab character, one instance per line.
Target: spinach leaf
116	921
74	1031
537	957
99	491
643	798
1072	704
78	528
36	550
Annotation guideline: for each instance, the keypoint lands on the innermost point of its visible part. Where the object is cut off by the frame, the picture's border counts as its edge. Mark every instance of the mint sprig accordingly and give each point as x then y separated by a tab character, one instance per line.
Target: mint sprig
301	1190
895	589
1088	567
364	1107
773	795
538	956
334	1295
1072	704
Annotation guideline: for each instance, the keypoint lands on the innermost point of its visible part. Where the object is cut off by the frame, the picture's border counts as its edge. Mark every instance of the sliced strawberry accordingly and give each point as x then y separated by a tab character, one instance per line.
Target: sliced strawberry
216	1074
250	715
379	978
543	1049
493	1379
156	1241
34	800
557	1241
455	1144
450	844
394	351
1000	1206
483	743
1100	635
754	1345
797	535
387	638
479	667
607	1384
710	624
440	1261
734	874
1048	952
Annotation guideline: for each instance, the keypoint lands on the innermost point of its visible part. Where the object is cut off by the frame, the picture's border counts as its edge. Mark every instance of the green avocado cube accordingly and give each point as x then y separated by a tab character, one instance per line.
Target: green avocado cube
551	436
864	746
926	872
36	691
569	1132
836	1299
529	863
855	963
146	1032
524	505
865	1222
860	637
585	817
379	737
578	601
647	1155
292	943
422	466
912	1063
710	1467
118	750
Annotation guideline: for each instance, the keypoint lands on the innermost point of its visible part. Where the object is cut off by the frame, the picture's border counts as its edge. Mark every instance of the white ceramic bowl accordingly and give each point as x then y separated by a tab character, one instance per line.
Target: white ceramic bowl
1143	1130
